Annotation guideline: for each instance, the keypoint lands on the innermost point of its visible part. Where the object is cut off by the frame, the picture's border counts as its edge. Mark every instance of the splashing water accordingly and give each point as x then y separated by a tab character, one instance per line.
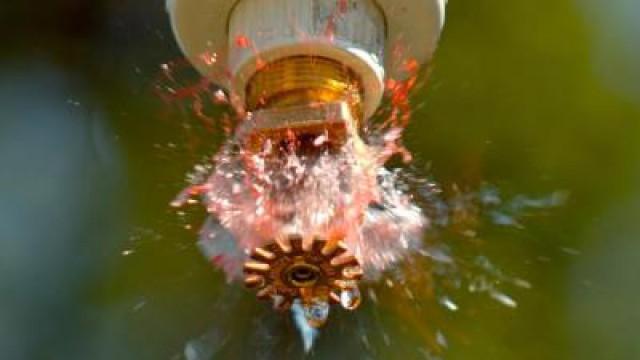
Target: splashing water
300	318
256	196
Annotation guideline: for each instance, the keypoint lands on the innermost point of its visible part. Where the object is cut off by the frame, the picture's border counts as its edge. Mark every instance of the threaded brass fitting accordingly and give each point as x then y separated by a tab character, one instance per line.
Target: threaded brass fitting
304	80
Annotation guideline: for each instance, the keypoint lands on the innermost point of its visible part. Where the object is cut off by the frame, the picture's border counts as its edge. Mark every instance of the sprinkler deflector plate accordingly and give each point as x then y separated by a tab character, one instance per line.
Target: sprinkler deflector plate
306	269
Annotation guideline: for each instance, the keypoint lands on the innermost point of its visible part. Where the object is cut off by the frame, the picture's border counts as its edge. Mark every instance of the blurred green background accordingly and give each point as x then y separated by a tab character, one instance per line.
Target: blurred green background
531	96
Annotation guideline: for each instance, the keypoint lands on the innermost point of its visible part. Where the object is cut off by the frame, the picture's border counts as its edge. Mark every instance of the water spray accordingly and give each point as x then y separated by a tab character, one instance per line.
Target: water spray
309	73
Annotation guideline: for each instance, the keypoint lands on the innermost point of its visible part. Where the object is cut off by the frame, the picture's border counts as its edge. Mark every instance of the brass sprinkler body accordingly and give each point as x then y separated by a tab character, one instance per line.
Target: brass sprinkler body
304	97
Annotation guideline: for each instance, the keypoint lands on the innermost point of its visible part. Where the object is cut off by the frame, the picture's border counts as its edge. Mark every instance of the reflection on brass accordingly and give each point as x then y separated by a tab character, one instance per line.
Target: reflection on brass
306	272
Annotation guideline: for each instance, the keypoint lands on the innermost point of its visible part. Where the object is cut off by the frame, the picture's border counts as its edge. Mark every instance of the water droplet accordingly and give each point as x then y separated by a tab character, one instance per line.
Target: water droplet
350	298
316	313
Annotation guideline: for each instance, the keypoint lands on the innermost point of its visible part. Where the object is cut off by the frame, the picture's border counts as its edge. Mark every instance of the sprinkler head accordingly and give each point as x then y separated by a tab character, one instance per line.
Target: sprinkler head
305	69
310	270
